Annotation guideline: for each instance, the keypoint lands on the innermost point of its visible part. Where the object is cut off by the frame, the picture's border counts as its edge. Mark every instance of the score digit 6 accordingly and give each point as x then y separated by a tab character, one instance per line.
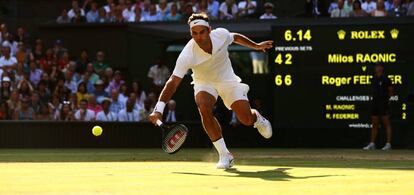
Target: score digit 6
283	80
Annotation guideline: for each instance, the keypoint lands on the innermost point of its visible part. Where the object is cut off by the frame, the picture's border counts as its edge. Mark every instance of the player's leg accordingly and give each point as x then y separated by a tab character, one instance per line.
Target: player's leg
235	97
387	124
374	133
205	103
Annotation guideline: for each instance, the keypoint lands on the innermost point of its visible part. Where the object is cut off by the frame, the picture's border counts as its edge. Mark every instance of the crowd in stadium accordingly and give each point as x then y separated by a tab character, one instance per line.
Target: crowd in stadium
179	10
42	83
148	11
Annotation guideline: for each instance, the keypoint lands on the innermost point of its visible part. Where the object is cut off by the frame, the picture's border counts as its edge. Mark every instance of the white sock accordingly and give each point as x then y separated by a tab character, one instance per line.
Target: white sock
220	146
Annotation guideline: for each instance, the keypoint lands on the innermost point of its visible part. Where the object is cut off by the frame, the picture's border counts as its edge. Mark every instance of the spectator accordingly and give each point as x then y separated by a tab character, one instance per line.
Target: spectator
187	11
123	93
93	14
14	102
24	112
153	15
213	8
410	9
7	62
247	7
35	73
171	115
137	16
202	7
173	15
35	103
92	105
332	6
102	18
228	10
44	114
146	8
162	8
158	73
84	114
357	10
89	85
100	64
44	93
106	114
118	17
129	11
82	62
100	92
369	6
63	18
348	5
116	104
70	83
141	96
75	10
145	111
397	10
82	92
63	61
93	77
116	81
268	12
48	61
59	50
107	7
380	10
19	75
25	88
54	107
388	4
6	88
78	18
129	114
66	113
339	12
38	54
4	111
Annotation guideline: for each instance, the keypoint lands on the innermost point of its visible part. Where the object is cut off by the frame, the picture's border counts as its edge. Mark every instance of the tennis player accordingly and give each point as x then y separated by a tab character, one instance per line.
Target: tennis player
207	56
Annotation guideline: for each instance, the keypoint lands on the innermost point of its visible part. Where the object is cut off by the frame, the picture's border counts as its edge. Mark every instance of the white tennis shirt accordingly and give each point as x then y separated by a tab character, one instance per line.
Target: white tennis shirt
208	68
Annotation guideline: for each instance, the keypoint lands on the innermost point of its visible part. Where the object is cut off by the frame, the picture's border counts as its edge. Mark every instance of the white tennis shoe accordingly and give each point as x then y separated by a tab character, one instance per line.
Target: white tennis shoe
370	146
226	161
263	125
387	147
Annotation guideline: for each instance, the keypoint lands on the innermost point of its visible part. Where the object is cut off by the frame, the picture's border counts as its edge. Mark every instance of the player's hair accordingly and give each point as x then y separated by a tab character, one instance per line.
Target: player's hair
198	16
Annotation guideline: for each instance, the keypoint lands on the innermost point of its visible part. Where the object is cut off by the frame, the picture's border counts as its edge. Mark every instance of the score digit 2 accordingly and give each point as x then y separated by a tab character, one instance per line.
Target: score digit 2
287	59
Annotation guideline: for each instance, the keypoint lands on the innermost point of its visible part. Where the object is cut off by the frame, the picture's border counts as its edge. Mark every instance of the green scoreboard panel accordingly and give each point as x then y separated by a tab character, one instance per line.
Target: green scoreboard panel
323	72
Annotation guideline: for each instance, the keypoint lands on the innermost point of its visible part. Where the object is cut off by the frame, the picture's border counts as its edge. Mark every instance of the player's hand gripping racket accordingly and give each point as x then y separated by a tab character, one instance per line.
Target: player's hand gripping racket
173	137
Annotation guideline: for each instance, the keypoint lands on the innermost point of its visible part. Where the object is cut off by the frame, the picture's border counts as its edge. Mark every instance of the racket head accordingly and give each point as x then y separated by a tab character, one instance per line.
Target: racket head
173	137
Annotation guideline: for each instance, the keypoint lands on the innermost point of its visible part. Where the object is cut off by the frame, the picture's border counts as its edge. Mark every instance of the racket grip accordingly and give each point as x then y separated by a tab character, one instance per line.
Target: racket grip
159	123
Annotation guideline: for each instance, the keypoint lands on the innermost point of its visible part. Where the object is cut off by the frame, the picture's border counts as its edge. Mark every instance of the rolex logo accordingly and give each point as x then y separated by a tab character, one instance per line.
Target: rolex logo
394	33
341	34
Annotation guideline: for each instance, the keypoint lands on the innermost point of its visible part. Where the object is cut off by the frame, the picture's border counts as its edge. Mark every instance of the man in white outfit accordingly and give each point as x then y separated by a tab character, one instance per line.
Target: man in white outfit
207	55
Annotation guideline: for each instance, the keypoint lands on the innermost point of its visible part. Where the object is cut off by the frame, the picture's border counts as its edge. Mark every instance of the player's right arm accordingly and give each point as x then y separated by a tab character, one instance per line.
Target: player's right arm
167	92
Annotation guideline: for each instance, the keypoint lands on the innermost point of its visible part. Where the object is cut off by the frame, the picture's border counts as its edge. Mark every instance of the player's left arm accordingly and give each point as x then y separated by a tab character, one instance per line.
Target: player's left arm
245	41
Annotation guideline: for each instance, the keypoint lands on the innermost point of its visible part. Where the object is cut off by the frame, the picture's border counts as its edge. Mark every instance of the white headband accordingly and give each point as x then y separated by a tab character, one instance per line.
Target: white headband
199	22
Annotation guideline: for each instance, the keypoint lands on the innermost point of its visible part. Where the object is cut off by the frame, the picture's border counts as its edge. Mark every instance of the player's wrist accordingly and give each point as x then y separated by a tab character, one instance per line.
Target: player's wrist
159	107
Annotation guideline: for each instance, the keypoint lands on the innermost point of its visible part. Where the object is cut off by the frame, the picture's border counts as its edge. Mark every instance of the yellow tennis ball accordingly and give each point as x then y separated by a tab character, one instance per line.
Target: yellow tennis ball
97	130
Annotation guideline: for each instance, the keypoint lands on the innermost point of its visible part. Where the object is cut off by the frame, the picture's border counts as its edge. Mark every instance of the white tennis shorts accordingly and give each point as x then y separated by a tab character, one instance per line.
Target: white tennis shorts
229	92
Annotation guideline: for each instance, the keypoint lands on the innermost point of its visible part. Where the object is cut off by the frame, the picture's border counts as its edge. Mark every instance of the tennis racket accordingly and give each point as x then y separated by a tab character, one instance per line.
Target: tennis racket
173	136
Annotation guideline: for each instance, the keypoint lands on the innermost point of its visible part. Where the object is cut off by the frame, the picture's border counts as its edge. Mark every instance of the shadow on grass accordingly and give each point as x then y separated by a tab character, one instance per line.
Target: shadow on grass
278	174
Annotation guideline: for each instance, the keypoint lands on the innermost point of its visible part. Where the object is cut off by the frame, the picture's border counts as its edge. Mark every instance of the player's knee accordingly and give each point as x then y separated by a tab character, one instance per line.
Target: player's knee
205	110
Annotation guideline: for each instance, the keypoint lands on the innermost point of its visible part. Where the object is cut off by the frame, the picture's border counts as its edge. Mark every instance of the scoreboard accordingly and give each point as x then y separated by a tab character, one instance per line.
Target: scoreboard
323	73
